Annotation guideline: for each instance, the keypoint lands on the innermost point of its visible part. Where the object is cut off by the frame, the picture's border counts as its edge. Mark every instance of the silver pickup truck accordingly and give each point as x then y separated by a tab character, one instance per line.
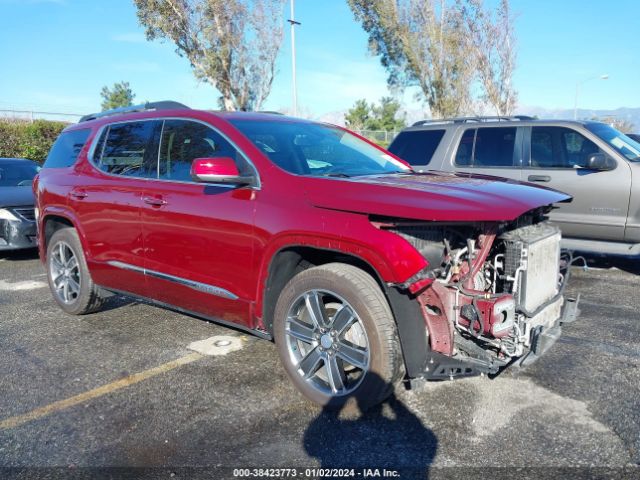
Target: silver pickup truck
592	161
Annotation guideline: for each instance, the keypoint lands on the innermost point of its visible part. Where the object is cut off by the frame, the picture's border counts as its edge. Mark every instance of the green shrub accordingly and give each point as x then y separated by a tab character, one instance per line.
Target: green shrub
24	139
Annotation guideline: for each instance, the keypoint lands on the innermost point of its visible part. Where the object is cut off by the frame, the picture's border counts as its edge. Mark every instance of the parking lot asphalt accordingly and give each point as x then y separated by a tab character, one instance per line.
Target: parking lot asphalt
579	406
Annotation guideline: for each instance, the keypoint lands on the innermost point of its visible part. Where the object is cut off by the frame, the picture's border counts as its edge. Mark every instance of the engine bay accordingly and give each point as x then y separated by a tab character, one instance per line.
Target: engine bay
490	288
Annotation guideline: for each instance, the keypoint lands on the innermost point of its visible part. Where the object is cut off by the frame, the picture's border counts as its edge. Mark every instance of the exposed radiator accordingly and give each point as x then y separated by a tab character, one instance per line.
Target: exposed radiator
532	256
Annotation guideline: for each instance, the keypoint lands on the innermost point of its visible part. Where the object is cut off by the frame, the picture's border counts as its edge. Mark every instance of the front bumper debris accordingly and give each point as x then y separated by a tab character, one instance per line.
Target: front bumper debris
542	339
443	367
17	234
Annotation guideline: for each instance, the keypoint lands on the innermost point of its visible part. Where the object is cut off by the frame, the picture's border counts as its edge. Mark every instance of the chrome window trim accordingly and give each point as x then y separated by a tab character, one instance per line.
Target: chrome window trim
96	139
159	150
201	287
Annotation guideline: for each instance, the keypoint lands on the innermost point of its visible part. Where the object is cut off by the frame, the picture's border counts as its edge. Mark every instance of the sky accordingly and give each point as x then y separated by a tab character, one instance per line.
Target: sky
56	55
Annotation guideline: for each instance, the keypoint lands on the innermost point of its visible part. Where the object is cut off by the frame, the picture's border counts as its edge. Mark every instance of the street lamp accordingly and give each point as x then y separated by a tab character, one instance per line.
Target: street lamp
294	88
578	85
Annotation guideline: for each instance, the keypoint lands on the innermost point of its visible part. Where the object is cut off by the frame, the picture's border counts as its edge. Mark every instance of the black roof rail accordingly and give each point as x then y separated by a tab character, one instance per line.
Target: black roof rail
164	105
488	118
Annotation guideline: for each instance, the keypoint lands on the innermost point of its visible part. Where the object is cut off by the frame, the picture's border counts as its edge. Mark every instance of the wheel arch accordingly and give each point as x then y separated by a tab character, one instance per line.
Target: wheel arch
52	220
289	260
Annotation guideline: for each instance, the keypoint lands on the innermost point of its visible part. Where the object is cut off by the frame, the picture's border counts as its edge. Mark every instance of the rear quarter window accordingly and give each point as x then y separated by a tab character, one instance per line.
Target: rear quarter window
66	148
417	147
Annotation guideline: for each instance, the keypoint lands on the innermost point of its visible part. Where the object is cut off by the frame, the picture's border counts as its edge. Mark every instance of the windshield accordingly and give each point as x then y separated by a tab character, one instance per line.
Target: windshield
17	174
318	150
618	140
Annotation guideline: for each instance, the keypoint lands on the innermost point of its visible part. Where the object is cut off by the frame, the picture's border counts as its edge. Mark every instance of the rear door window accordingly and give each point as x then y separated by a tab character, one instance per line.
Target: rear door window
487	147
129	149
66	148
417	147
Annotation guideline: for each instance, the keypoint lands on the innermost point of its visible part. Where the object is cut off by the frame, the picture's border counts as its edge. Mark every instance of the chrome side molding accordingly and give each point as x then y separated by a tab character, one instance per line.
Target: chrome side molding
201	287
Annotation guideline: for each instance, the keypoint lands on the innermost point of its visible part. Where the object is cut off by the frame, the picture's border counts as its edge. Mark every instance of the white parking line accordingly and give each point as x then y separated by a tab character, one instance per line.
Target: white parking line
18	420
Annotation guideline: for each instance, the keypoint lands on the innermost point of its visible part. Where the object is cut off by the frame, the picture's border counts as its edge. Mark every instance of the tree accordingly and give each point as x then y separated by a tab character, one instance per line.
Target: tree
120	95
421	43
384	116
231	44
622	124
358	116
492	42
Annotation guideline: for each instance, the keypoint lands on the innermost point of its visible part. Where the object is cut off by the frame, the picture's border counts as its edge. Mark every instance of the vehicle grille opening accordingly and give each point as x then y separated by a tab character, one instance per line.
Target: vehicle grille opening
26	213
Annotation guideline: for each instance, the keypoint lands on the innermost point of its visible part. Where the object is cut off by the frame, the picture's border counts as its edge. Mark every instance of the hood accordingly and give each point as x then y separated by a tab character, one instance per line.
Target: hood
16	196
432	196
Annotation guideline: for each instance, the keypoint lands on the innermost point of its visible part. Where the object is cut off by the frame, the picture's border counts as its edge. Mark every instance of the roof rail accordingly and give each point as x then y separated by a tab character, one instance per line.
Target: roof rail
164	105
498	118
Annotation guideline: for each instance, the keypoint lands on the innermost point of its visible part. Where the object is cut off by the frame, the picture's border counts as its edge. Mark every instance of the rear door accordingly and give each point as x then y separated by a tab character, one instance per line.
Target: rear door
556	157
107	199
489	150
199	237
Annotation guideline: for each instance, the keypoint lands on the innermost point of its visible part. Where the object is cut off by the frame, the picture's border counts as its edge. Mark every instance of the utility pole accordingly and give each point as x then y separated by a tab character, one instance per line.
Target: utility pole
294	87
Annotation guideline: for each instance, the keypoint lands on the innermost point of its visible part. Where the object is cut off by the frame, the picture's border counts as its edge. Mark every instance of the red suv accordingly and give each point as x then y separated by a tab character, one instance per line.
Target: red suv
363	272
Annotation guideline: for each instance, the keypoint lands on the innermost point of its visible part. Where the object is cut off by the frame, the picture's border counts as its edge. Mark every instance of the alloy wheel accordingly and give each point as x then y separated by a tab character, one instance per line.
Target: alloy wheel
327	342
65	272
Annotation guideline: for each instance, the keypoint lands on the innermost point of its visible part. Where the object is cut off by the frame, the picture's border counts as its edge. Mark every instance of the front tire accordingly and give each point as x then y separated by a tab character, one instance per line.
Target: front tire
337	338
69	278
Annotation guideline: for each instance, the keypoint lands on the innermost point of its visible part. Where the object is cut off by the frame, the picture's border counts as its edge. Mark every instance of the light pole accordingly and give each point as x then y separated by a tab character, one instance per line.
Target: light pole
578	85
294	88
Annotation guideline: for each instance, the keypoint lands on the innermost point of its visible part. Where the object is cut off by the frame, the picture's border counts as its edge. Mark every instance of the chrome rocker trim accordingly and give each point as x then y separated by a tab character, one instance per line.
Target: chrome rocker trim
201	287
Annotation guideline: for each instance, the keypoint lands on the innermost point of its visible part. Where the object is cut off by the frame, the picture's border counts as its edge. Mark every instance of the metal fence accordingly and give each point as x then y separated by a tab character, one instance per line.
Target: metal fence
31	115
382	137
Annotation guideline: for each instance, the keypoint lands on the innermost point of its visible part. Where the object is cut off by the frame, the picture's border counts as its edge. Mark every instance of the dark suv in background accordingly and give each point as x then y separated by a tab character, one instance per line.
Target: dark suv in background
17	215
593	162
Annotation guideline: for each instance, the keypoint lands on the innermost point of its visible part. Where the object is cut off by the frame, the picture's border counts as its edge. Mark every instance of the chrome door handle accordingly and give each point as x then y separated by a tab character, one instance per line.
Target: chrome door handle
539	178
156	202
79	194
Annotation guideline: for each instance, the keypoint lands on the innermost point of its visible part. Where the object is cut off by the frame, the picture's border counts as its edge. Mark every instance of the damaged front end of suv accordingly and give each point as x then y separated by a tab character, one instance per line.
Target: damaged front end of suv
492	294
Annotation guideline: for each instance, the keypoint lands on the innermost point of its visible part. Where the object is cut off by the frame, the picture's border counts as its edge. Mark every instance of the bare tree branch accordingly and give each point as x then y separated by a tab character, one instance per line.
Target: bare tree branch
492	42
230	44
421	43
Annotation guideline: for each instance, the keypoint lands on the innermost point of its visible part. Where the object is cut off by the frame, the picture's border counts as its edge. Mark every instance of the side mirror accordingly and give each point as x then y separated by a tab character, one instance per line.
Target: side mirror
218	170
600	161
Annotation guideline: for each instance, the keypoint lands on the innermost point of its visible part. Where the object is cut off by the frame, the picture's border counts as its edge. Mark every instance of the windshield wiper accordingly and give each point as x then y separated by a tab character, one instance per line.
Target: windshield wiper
337	175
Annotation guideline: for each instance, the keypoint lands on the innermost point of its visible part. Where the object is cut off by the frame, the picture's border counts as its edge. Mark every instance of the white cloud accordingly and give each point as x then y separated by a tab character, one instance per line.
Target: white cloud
331	84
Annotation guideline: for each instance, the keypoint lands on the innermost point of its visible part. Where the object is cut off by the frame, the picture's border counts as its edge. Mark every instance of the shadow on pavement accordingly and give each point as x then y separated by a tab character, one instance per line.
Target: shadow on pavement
19	255
387	436
627	264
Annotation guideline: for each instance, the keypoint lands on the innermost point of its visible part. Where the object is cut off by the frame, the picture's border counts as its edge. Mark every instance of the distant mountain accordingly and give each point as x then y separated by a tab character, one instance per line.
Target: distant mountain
632	115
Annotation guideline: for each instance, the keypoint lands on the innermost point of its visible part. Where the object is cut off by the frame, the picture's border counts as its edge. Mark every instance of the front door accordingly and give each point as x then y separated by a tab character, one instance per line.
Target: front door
198	237
556	158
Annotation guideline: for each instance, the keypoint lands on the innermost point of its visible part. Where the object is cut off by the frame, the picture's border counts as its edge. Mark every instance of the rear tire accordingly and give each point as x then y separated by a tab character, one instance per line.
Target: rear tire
337	338
69	278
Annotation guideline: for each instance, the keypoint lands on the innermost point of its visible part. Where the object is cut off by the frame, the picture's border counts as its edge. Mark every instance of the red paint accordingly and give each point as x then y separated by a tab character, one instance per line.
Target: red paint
420	285
224	167
228	237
